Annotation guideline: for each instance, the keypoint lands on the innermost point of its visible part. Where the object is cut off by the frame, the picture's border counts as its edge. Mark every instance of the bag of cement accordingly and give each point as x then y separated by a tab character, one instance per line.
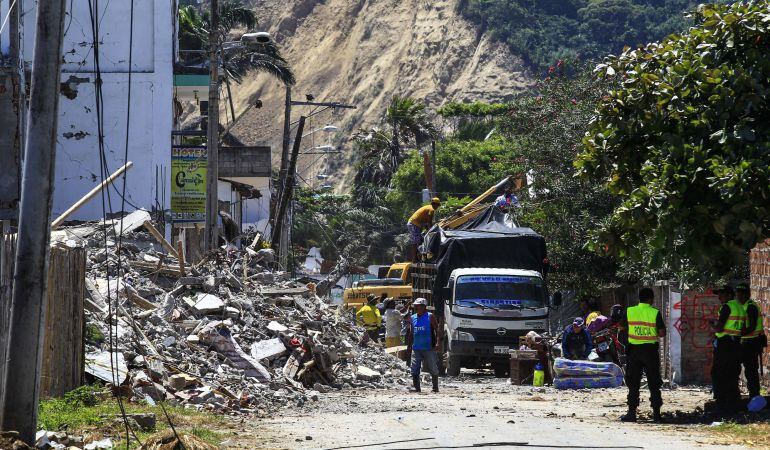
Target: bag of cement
568	368
587	382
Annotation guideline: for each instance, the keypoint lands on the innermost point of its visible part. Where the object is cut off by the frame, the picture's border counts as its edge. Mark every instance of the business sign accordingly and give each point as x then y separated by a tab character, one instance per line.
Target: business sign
188	184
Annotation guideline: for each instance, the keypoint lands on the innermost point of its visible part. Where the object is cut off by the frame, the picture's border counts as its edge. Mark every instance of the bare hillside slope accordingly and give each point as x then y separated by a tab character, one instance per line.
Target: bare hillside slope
363	52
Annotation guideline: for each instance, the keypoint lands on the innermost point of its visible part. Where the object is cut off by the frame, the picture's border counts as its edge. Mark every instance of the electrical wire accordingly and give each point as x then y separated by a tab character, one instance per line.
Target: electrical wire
93	8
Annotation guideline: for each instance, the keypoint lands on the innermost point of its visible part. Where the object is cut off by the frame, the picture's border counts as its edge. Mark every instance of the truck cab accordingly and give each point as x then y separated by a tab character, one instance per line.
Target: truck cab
485	312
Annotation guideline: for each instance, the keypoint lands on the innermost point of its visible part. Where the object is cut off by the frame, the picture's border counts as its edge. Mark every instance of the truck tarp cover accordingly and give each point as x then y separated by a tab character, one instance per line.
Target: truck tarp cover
488	240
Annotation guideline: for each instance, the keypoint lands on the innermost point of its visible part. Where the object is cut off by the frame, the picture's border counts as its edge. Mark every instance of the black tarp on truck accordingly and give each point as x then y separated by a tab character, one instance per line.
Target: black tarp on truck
488	240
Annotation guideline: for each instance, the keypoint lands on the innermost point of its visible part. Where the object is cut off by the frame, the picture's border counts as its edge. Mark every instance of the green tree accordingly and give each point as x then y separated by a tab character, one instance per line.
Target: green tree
557	204
682	141
236	62
464	169
544	31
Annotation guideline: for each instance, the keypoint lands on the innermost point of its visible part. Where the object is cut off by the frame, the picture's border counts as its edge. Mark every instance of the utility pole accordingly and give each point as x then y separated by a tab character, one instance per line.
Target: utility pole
284	155
22	381
278	232
211	234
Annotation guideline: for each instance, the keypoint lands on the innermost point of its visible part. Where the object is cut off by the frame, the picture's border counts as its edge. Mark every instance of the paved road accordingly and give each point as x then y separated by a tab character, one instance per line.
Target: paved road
479	414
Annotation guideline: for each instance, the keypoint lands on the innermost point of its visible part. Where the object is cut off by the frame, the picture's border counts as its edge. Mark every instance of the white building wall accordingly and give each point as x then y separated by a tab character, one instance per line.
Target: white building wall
149	146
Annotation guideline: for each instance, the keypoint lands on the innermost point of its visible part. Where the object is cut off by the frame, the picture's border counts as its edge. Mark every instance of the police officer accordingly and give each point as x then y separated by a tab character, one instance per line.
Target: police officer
645	325
753	340
726	367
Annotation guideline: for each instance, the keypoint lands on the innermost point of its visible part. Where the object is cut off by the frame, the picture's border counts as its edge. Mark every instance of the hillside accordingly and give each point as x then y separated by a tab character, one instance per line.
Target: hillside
362	52
543	31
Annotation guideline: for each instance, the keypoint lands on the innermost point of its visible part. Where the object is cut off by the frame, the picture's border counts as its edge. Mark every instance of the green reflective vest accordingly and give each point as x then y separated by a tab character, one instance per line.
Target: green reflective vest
734	324
759	329
641	324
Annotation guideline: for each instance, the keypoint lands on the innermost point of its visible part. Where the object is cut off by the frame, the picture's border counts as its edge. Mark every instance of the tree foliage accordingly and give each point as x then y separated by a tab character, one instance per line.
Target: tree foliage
544	31
682	140
563	208
464	169
194	29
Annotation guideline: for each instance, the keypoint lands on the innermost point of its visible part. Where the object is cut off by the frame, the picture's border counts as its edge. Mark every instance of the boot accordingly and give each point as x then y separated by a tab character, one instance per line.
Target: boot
656	417
416	382
435	383
630	416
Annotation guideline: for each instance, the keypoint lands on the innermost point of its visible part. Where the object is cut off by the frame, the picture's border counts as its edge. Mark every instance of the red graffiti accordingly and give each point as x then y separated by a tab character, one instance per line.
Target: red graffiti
699	310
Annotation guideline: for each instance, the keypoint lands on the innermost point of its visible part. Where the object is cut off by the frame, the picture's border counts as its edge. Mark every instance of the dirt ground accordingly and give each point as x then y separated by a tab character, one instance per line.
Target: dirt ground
479	411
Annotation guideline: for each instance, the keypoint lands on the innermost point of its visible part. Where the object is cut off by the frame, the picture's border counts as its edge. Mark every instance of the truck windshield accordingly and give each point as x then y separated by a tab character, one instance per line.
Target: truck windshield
395	273
500	292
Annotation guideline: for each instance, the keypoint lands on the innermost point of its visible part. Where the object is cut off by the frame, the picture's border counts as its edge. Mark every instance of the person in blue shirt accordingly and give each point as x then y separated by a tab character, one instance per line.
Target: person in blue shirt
576	341
422	338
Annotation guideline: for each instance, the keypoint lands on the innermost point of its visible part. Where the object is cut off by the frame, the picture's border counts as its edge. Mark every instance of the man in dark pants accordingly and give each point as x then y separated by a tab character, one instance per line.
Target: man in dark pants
645	325
726	367
753	339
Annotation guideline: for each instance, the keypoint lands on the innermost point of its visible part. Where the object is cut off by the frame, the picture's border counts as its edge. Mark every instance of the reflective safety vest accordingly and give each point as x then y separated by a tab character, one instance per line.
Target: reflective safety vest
734	324
759	329
642	328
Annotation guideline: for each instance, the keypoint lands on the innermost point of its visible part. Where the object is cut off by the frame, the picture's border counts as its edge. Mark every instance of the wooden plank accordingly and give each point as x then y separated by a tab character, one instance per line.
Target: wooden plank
163	269
159	237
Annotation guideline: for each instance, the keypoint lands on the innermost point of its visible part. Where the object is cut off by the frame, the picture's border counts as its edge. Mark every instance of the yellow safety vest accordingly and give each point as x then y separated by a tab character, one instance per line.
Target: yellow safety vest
642	328
734	324
369	317
759	329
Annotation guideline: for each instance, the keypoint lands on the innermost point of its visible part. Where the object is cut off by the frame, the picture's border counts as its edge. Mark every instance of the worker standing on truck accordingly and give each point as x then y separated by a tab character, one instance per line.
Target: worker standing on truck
507	200
726	368
421	220
369	317
753	339
645	325
422	338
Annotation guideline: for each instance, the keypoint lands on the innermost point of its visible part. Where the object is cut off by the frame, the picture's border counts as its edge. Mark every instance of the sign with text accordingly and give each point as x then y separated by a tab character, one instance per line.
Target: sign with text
188	184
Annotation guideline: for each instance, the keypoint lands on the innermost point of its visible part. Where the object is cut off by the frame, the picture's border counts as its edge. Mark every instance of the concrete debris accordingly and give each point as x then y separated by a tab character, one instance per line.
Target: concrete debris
181	338
268	349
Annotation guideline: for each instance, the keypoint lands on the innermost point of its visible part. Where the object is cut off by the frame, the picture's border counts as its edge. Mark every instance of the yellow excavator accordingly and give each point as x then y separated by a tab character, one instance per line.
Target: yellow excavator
397	284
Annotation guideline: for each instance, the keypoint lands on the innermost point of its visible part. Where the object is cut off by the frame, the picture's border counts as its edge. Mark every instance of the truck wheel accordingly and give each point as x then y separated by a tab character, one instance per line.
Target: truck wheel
501	369
452	364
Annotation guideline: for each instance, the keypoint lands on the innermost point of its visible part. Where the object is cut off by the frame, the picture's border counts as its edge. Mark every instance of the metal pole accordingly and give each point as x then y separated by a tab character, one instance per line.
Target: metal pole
210	235
22	381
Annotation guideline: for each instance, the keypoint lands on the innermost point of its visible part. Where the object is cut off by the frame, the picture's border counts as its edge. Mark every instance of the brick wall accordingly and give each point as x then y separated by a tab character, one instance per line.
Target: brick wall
760	289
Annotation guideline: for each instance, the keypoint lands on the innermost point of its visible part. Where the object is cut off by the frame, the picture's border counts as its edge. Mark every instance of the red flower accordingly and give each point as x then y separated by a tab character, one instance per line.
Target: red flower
551	69
559	63
574	101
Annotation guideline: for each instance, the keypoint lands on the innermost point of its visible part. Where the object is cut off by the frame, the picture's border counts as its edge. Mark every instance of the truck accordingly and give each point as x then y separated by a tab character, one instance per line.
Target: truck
487	283
396	284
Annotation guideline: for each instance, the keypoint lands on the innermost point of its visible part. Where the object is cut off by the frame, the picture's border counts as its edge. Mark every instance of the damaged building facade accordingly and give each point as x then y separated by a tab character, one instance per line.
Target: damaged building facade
78	165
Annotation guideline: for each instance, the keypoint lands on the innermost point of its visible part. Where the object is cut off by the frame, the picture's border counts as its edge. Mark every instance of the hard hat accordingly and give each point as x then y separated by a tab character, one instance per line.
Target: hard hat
435	201
421	301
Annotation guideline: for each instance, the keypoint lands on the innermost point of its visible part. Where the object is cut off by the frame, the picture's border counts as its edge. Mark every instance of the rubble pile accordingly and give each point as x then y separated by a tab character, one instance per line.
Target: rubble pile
229	334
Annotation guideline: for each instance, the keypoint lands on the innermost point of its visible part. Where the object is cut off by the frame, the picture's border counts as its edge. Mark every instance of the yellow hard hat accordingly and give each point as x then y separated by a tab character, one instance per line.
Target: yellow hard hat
435	201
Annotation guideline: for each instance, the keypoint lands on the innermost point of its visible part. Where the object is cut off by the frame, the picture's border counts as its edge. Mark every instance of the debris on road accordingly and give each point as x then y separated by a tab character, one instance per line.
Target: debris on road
232	334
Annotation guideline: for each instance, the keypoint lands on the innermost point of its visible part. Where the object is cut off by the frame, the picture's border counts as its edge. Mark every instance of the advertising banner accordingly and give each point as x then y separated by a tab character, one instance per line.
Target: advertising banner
188	184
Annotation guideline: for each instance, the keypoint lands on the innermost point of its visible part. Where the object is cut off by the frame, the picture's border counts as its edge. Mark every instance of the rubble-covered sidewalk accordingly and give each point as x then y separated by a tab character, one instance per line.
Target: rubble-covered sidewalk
229	334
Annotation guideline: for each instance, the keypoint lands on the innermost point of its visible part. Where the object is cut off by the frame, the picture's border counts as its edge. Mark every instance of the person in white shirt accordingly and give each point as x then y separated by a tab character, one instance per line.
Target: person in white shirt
393	320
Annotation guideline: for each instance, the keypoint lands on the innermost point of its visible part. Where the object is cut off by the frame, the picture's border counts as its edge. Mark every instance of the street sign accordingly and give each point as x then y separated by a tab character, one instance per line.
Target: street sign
188	184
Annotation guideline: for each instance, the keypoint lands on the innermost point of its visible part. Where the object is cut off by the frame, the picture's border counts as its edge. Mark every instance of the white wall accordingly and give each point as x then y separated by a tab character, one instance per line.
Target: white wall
149	147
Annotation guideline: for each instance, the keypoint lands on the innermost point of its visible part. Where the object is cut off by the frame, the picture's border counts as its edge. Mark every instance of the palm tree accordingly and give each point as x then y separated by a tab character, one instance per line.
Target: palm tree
237	62
409	122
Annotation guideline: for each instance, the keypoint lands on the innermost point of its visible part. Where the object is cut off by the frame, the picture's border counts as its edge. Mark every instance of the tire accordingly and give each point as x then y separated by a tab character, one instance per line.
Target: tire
452	364
501	369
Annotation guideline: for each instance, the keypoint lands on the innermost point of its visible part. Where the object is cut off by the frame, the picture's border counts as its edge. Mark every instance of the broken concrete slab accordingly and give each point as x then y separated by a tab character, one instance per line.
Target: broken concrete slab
267	349
208	304
366	374
277	327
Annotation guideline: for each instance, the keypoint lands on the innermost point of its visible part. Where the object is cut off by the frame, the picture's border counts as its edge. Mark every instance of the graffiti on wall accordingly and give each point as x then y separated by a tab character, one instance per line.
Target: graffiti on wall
696	312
